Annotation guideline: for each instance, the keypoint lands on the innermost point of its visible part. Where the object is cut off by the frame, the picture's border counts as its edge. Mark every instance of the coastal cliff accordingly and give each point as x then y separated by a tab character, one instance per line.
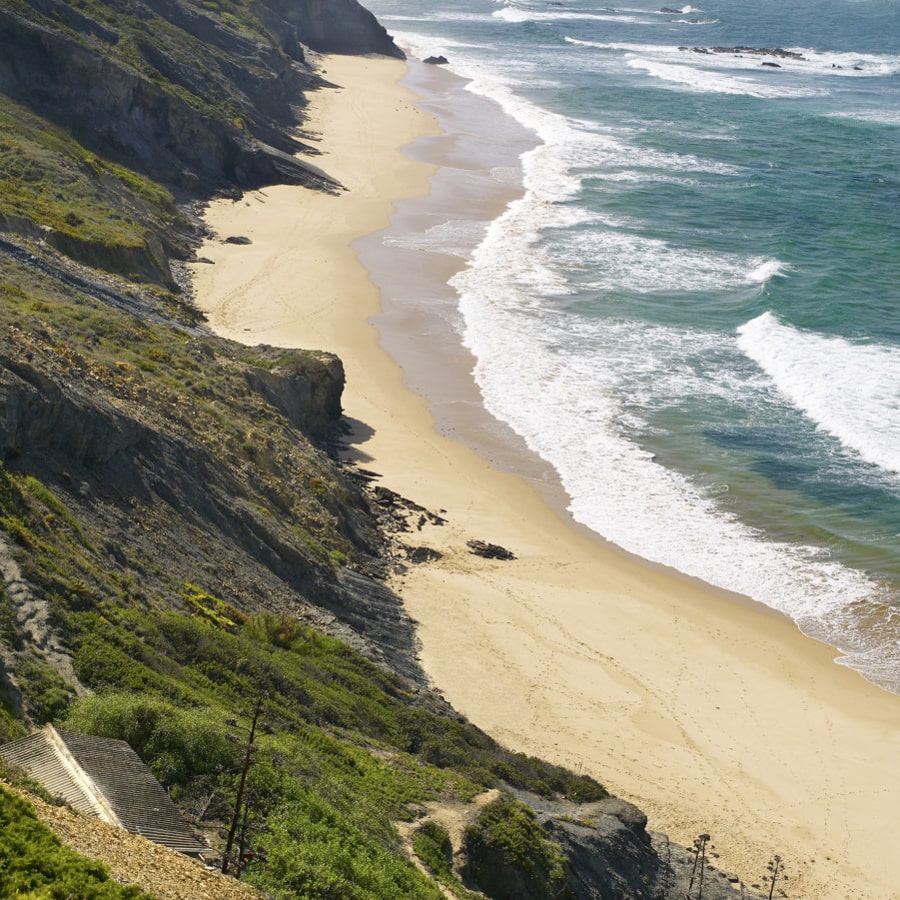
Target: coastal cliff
179	541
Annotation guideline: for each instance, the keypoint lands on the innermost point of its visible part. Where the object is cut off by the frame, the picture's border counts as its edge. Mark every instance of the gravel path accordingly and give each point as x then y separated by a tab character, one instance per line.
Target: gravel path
164	873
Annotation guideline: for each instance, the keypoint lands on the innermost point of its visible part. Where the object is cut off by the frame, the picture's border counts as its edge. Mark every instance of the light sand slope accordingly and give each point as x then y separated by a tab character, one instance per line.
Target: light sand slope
710	713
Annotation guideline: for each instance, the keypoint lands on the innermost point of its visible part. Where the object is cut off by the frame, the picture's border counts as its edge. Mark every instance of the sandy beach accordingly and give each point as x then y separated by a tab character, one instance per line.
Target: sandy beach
708	711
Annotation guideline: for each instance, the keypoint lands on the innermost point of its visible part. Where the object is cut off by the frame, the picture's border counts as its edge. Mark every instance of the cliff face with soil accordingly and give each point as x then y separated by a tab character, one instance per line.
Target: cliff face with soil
164	88
172	517
196	100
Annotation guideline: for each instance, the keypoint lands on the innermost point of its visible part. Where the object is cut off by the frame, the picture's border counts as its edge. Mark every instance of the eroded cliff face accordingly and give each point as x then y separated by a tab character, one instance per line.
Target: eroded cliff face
201	100
187	458
305	388
336	26
197	101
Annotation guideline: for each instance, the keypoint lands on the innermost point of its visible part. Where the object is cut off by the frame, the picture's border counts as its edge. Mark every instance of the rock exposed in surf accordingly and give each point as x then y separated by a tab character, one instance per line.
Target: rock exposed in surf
748	51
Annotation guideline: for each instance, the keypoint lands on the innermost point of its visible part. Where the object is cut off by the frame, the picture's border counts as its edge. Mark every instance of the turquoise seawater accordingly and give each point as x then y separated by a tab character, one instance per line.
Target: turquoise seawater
693	313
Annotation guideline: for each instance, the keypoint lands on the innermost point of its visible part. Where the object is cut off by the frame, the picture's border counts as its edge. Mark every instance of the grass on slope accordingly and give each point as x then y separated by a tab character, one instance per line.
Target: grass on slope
95	207
34	865
345	752
343	755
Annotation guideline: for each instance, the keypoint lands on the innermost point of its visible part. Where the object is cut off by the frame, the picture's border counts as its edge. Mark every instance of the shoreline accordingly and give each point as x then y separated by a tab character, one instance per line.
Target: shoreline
712	715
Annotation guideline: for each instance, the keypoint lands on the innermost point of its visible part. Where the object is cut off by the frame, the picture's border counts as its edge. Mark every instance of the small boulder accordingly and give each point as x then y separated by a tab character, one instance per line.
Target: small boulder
489	551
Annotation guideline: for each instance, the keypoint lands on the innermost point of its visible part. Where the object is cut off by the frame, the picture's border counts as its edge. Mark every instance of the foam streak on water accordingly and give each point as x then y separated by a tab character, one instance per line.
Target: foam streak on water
850	390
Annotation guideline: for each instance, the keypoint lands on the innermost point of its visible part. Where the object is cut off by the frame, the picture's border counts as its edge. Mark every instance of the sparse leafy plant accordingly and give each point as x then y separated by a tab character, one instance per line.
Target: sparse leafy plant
774	872
698	868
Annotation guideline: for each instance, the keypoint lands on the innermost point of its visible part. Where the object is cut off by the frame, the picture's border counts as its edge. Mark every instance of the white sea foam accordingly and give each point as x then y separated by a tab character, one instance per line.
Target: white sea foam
563	380
766	271
806	62
810	62
456	237
516	14
876	116
853	65
620	260
716	81
743	73
852	391
561	392
546	374
628	48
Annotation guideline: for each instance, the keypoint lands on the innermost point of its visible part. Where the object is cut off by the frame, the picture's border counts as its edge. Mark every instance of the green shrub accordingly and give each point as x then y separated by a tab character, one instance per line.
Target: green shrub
33	862
211	608
9	628
313	851
280	630
48	695
176	744
431	844
511	855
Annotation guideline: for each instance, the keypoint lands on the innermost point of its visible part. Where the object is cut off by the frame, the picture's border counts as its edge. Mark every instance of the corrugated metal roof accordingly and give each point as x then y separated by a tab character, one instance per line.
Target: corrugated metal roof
105	778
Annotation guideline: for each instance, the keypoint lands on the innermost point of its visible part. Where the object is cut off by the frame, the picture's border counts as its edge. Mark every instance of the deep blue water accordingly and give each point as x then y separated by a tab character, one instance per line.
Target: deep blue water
693	314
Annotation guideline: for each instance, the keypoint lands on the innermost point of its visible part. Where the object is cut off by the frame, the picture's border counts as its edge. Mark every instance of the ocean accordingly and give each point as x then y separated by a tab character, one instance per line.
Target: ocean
690	307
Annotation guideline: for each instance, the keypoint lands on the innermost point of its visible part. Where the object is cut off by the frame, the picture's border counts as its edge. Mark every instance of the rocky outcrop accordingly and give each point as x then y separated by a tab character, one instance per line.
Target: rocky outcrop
609	853
748	51
607	847
305	387
197	99
178	94
146	261
184	502
336	26
144	119
39	415
76	277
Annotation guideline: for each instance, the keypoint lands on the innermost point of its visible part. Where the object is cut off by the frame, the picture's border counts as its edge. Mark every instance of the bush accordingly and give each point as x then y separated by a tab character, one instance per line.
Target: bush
431	844
177	745
33	862
510	855
313	851
48	695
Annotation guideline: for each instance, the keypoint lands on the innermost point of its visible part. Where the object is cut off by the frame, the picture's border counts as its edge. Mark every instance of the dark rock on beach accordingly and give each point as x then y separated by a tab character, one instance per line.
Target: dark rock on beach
608	853
489	551
437	60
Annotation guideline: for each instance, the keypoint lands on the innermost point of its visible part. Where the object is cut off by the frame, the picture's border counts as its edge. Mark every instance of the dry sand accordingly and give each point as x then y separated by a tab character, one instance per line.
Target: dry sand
711	713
